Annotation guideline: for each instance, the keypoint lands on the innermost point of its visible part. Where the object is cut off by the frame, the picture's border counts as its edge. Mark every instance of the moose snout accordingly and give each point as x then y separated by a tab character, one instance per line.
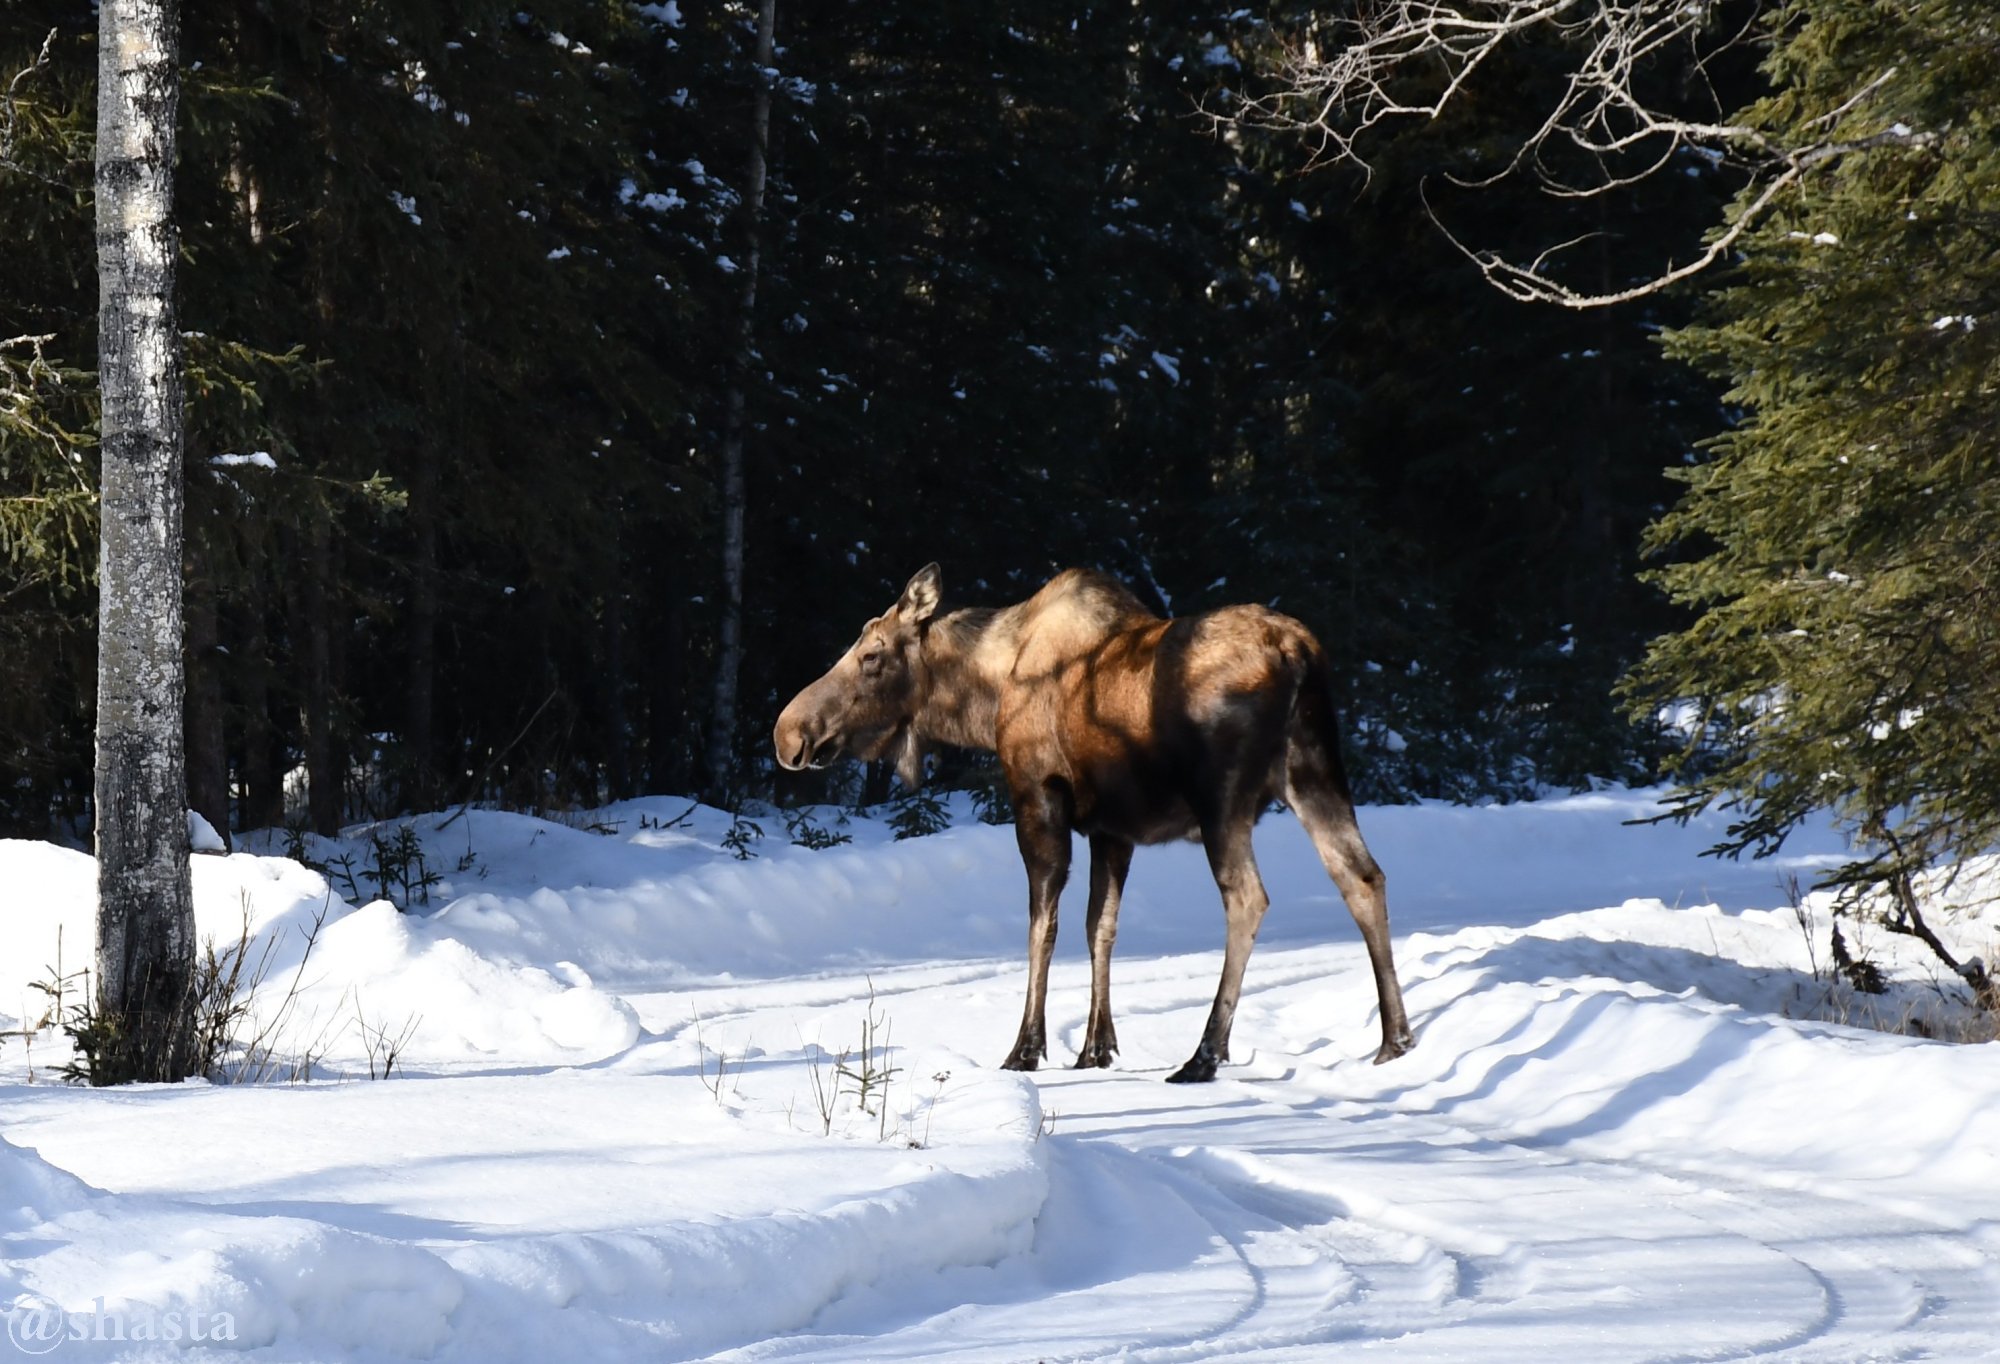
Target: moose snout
793	745
798	739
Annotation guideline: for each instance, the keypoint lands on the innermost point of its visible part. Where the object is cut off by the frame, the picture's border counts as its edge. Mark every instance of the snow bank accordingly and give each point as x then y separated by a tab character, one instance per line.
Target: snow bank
644	892
1687	1040
70	1254
566	1215
371	968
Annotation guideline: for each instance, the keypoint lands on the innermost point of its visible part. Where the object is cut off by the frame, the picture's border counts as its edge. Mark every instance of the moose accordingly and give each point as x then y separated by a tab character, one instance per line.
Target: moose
1113	722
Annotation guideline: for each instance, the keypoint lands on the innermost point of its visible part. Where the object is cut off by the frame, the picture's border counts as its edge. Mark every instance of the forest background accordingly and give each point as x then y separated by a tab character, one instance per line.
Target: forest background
464	286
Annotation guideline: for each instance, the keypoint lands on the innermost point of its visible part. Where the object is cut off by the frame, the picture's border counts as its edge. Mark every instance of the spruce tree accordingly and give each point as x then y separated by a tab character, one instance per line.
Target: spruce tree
1842	537
48	414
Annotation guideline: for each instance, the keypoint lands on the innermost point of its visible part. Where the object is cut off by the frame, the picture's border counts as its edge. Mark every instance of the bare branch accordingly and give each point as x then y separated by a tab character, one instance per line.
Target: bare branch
9	104
1388	60
1859	98
1528	284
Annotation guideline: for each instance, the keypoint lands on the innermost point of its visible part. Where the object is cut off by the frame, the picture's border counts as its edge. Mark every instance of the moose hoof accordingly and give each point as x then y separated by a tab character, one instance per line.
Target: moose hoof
1392	1047
1022	1058
1200	1069
1095	1056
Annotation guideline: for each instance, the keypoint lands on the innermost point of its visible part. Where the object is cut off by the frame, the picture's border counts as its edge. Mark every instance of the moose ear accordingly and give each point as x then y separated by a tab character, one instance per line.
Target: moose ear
920	599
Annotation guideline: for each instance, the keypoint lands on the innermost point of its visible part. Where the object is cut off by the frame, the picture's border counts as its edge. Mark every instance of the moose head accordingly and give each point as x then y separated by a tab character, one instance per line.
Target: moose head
867	703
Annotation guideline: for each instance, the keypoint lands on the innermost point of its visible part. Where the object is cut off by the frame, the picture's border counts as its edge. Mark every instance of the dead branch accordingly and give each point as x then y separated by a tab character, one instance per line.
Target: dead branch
9	106
1906	915
1380	61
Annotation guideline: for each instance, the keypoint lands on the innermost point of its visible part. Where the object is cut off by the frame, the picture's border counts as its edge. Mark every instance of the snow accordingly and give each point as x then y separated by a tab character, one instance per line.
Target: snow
1637	1124
654	202
202	837
260	459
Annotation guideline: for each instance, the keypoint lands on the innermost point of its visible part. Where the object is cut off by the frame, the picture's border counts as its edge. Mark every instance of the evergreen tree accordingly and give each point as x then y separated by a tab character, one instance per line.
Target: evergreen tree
1842	535
463	294
48	412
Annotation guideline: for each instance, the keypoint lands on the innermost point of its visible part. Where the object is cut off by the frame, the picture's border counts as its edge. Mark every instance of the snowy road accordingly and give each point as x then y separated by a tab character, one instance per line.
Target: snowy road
1619	1138
1310	1199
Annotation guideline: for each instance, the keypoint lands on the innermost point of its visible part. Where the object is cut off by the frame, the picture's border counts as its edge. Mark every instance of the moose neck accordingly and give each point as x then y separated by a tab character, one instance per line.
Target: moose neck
967	654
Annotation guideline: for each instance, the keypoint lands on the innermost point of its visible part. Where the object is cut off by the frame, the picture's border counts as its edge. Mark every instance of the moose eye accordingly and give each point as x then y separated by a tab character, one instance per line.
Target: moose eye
871	664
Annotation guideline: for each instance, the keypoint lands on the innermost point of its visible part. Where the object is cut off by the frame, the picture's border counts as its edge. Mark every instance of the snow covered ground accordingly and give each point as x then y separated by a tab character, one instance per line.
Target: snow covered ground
624	1120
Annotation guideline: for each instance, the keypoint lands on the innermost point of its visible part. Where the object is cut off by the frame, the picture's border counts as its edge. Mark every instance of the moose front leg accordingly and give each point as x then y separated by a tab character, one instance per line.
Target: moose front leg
1044	838
1110	859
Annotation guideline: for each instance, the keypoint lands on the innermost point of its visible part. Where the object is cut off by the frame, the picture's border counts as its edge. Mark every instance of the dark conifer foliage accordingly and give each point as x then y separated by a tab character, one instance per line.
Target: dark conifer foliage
1844	534
460	286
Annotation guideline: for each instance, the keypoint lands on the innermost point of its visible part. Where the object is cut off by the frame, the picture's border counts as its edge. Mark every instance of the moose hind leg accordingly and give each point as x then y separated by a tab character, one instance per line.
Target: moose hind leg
1328	814
1243	903
1110	859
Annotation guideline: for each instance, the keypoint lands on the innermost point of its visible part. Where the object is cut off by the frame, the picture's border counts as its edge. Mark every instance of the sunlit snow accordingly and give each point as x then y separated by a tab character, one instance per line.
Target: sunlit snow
1634	1126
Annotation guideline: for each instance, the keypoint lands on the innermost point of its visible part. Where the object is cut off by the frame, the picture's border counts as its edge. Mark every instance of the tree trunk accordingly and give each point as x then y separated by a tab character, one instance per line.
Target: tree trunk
419	783
729	643
263	800
666	709
322	772
544	764
874	785
207	743
616	741
145	913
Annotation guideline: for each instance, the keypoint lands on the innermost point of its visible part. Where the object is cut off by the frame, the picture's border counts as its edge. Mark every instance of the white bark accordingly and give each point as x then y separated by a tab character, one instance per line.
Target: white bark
145	954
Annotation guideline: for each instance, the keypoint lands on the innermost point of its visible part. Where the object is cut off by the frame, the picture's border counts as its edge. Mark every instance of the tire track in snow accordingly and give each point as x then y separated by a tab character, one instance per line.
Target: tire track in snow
1284	1221
1455	1288
1890	1273
1816	1296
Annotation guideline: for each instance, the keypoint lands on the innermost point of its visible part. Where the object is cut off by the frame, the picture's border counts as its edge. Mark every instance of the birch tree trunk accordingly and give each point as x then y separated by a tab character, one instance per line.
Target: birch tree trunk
145	915
729	644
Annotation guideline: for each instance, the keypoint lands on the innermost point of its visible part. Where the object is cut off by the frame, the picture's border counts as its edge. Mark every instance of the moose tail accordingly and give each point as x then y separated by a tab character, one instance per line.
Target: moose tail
1314	761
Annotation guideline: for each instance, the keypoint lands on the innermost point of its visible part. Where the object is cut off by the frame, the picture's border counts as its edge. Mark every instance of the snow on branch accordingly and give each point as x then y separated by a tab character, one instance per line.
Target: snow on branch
1379	61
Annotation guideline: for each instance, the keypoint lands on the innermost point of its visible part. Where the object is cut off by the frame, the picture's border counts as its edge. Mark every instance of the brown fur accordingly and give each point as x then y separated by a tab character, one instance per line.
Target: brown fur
1129	729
